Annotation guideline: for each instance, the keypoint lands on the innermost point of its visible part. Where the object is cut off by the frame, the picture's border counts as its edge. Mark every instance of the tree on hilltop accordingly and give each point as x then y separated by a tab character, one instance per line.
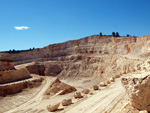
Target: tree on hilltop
113	34
101	34
117	34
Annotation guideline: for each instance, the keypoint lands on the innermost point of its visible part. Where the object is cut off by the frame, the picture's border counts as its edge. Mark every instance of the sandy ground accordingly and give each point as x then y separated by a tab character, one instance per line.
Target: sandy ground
23	65
101	102
14	100
106	99
36	99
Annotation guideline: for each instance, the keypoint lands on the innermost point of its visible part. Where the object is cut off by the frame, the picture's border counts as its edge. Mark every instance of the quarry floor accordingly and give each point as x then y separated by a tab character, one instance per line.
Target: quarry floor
107	99
102	101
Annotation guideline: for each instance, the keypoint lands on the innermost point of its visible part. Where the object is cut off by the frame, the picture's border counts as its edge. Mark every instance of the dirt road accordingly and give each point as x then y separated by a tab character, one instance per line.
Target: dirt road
35	100
101	102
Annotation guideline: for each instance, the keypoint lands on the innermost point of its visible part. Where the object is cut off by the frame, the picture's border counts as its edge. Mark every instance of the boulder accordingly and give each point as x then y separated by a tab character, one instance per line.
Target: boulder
108	82
102	84
95	87
111	80
117	76
66	102
77	95
86	91
51	108
138	89
143	111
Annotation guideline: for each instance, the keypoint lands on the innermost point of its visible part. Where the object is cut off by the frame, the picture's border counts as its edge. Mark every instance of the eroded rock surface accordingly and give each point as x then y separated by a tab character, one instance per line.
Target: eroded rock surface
138	89
14	75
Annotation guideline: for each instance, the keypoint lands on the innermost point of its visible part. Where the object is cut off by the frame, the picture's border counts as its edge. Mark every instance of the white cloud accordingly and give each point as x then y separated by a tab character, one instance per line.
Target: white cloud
21	27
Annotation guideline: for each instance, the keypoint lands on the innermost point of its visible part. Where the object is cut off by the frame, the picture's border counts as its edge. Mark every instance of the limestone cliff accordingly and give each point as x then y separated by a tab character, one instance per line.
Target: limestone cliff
92	45
100	57
14	75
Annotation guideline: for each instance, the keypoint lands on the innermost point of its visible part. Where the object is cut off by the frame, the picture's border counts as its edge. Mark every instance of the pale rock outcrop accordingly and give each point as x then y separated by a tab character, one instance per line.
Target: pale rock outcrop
14	75
138	89
77	95
66	102
51	108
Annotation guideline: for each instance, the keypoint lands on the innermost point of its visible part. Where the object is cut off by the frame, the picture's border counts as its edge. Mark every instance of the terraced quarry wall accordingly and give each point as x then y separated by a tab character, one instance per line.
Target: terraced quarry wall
94	56
92	45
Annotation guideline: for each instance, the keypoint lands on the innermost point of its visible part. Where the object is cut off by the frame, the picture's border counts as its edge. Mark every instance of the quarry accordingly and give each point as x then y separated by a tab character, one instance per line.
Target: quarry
94	74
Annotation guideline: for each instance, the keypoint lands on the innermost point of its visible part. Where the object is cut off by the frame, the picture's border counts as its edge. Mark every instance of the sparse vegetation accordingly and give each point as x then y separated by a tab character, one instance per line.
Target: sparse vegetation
117	34
101	34
17	51
127	35
113	34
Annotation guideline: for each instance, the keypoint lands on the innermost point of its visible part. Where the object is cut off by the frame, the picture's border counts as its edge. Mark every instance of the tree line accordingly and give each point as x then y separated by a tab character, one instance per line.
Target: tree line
17	51
115	34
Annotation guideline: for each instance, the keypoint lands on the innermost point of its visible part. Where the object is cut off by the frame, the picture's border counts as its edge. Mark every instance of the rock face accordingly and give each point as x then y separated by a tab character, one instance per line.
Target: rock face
36	69
101	68
99	45
6	65
58	86
138	89
14	75
52	69
51	108
45	69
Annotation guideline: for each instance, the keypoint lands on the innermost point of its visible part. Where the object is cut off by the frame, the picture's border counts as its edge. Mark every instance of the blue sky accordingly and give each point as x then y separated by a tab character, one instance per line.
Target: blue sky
45	22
